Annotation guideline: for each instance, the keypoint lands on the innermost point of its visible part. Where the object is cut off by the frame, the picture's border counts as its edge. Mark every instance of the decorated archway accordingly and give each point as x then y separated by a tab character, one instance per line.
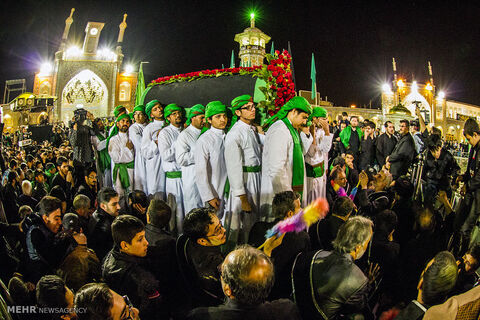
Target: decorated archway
410	102
85	90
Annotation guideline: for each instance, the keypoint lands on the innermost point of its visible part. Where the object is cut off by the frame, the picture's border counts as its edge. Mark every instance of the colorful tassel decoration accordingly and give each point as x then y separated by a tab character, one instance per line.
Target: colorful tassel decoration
315	211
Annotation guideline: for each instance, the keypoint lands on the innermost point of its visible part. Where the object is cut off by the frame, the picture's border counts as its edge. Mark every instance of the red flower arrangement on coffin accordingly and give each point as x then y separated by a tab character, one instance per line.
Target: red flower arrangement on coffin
276	73
190	76
278	76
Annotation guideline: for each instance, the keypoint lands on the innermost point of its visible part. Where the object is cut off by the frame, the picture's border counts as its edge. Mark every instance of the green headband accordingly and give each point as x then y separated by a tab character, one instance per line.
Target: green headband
169	109
117	109
149	106
298	102
140	107
194	111
121	117
213	108
240	101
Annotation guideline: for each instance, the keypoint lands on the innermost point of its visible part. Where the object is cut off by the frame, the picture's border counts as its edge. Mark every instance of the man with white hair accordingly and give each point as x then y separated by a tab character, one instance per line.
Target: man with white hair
26	197
337	283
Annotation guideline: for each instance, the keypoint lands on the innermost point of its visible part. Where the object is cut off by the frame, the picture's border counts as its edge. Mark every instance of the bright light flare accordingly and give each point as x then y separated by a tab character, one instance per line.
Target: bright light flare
441	95
428	87
46	69
128	68
73	51
386	88
414	86
353	106
252	15
400	83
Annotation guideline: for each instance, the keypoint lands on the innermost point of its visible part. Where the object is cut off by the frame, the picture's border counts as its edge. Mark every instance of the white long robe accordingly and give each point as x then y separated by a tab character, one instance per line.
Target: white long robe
317	187
210	168
243	147
185	157
106	179
173	186
277	166
135	132
155	175
120	153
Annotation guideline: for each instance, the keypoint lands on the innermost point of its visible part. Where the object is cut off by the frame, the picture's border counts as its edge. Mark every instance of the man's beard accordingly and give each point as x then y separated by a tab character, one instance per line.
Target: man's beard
124	129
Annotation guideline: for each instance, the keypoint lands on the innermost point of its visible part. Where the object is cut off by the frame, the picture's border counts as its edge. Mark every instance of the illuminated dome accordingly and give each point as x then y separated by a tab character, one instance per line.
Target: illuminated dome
400	109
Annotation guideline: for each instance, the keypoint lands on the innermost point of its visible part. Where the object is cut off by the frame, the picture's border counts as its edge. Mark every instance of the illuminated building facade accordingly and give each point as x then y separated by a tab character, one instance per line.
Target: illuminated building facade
90	77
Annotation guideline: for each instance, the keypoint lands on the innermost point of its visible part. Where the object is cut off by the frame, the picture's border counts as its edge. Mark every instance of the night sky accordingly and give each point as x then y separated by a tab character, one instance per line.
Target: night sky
353	41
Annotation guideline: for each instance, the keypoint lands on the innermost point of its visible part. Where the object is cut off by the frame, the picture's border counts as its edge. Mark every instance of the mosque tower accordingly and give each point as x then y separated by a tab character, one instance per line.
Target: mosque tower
252	45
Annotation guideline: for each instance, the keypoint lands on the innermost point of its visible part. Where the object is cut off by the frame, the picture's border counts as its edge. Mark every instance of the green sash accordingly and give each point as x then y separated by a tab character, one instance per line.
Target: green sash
120	169
173	174
298	162
314	172
103	156
252	169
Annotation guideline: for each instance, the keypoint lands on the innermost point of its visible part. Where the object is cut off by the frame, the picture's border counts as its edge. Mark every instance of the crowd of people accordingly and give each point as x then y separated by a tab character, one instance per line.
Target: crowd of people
164	215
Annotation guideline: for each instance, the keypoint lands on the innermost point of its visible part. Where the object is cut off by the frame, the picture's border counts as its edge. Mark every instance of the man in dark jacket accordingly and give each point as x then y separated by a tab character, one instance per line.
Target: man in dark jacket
351	137
64	179
161	247
339	286
205	235
439	170
436	281
367	153
89	186
40	187
385	143
124	271
99	226
324	232
45	251
468	215
247	277
283	207
403	154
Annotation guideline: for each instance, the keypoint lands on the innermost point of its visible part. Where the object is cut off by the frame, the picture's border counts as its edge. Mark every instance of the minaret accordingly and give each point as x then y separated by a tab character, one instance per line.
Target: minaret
122	28
252	45
68	23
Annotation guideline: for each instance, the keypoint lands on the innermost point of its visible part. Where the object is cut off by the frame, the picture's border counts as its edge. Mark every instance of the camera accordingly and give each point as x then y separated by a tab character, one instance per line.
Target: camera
79	115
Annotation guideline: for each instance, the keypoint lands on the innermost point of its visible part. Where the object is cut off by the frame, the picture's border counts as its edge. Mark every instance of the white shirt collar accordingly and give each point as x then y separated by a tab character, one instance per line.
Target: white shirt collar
217	131
194	129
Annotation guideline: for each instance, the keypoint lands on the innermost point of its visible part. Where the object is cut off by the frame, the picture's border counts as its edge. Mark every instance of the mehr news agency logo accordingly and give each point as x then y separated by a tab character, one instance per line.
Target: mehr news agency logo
43	310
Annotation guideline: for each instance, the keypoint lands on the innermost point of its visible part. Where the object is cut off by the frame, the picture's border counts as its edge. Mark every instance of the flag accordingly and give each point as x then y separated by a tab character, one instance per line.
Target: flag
291	66
140	87
272	50
313	76
223	67
232	61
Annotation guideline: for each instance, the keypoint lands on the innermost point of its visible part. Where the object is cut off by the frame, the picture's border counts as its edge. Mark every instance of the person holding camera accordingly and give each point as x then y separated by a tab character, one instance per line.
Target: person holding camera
81	143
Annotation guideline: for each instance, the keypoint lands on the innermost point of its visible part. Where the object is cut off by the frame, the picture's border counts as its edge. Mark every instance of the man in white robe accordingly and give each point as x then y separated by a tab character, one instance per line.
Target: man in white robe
243	158
173	174
155	175
210	168
103	163
316	159
283	164
185	156
121	151
136	133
